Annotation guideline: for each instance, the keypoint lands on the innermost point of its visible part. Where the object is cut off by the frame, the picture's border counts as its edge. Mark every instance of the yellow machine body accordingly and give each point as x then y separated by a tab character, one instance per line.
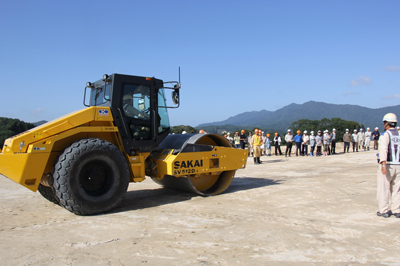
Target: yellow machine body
29	156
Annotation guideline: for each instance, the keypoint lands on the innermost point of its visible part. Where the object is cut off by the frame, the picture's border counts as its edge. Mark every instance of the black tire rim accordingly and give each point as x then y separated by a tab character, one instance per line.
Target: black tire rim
96	178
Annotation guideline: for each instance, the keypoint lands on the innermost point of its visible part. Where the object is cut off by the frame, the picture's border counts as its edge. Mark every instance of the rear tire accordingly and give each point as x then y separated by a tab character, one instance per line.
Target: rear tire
90	177
47	193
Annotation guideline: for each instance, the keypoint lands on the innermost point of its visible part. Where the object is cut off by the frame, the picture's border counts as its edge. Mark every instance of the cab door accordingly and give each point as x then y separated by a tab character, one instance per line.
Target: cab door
133	105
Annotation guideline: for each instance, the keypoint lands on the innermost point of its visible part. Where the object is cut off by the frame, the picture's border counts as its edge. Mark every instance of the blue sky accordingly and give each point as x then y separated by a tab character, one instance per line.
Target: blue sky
235	56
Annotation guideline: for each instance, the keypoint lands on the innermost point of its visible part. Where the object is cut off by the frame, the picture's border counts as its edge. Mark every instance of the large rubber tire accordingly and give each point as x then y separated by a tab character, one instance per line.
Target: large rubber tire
47	193
90	177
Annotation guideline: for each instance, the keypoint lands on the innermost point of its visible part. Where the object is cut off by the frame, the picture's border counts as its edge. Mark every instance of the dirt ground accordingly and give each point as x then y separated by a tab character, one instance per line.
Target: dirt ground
286	211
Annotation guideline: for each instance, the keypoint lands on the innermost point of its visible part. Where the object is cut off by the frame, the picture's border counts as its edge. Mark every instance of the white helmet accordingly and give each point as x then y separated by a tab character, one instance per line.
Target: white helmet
355	130
312	132
289	130
376	128
361	129
368	128
334	129
347	130
305	131
390	118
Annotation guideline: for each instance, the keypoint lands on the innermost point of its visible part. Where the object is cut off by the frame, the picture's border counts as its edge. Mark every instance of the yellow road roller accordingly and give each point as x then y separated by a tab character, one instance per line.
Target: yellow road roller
85	160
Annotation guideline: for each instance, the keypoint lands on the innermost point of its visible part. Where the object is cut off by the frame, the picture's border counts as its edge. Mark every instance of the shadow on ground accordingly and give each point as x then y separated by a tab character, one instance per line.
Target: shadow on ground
148	198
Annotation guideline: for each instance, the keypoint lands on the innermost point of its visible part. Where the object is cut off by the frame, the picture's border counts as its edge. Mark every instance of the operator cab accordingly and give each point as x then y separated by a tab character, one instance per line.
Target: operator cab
139	107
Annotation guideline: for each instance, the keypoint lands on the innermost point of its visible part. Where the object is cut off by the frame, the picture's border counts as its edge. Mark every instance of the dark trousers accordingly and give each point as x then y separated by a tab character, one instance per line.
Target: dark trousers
312	149
242	144
298	148
304	150
319	150
333	146
277	148
346	146
288	148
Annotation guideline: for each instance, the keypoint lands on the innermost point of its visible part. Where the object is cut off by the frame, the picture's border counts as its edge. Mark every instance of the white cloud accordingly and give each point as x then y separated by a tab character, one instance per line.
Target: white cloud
361	80
392	68
390	97
37	111
347	93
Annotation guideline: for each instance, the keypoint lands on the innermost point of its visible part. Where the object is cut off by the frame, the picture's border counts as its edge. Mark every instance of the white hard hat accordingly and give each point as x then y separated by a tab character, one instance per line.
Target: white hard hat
368	128
334	129
347	130
289	130
390	118
184	132
305	132
377	128
229	133
361	129
262	132
355	130
312	132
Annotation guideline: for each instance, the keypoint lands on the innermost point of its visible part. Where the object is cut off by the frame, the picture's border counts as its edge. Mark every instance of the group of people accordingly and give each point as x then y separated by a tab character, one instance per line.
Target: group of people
321	143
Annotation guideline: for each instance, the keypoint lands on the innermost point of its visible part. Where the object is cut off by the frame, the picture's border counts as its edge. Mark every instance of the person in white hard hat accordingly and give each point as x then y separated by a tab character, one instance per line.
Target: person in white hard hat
346	141
248	143
388	176
361	139
375	136
289	142
333	141
229	138
367	139
327	142
354	140
264	143
312	143
318	140
304	148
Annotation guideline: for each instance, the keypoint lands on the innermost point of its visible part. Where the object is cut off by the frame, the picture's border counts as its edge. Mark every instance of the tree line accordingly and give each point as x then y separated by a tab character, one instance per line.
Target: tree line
303	124
10	127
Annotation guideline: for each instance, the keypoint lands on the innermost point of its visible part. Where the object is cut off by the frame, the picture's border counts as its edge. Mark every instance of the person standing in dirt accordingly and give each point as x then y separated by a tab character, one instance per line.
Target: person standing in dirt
268	145
367	139
256	142
354	140
304	148
318	140
236	140
326	142
346	141
375	136
333	141
297	140
264	143
312	143
242	139
277	144
361	139
388	175
289	142
248	143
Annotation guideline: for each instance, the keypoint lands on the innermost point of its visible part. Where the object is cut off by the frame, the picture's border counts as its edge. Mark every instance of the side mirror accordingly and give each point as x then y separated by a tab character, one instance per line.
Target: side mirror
175	97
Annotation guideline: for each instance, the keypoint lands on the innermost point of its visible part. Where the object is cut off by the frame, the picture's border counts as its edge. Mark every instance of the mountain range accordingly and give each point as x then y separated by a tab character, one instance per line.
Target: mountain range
282	118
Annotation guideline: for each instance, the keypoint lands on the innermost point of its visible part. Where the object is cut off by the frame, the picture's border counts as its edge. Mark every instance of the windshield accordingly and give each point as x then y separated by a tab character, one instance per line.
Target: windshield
162	111
98	95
